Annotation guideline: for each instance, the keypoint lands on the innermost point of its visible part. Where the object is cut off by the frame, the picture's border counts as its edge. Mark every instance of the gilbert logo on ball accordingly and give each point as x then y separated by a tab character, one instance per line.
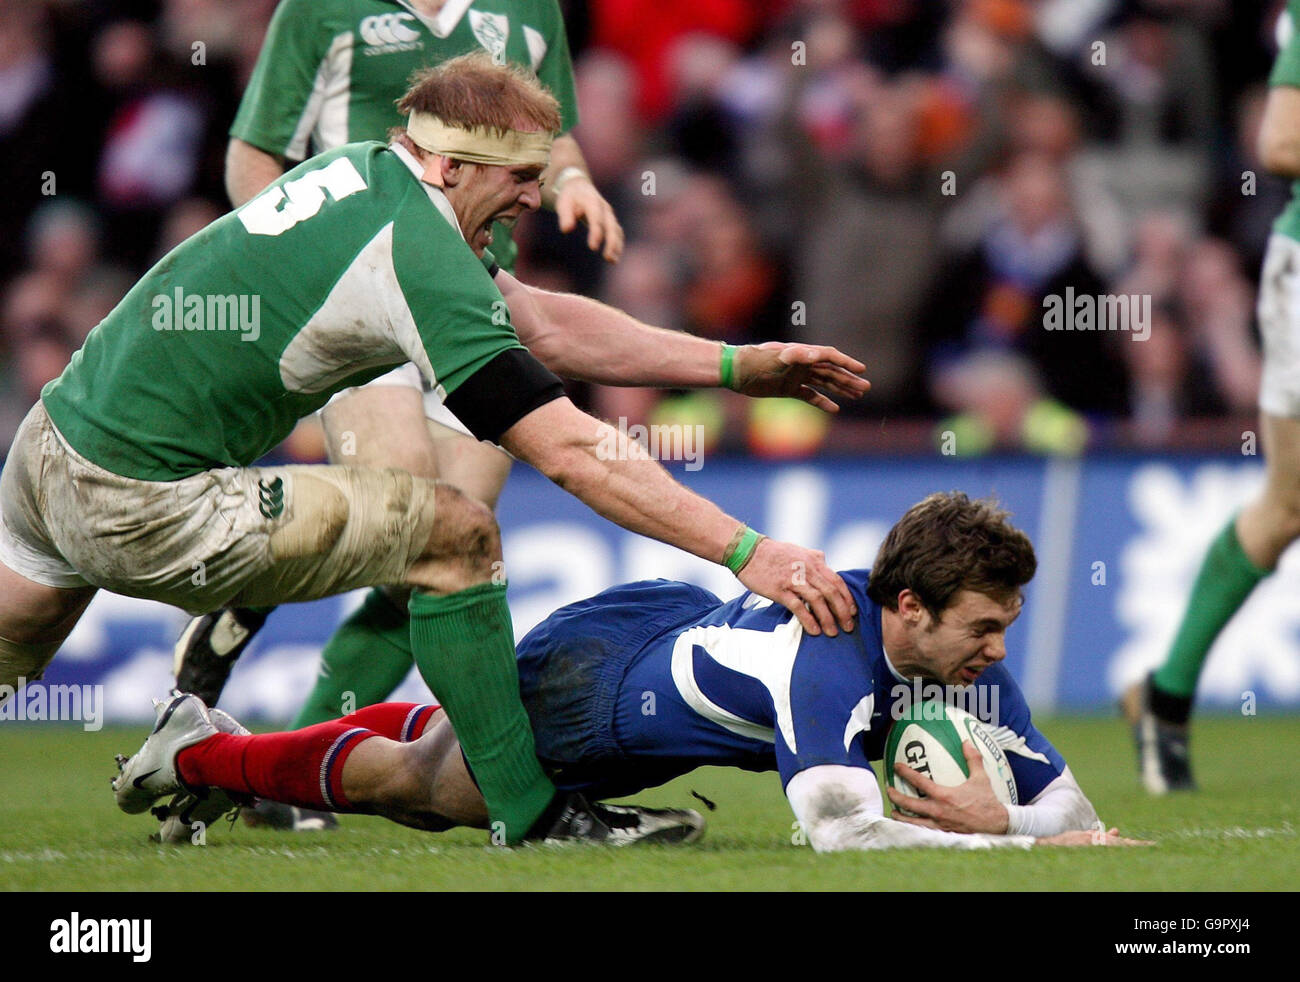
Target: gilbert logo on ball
928	739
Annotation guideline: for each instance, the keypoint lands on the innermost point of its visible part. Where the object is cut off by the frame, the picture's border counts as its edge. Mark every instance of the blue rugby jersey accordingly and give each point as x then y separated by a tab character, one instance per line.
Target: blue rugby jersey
739	684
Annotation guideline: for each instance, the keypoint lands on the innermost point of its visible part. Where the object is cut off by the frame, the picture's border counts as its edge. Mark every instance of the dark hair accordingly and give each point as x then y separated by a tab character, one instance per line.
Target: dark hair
472	90
948	543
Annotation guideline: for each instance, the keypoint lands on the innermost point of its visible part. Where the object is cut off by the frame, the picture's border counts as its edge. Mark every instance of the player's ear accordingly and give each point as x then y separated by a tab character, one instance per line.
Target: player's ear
451	171
909	607
432	164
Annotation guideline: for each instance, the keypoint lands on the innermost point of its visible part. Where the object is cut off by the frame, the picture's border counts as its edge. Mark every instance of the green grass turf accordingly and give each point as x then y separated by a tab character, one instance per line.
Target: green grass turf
59	830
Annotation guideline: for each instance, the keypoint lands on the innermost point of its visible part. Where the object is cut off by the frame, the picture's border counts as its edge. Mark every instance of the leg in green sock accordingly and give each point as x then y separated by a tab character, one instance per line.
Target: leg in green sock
464	648
1226	579
365	660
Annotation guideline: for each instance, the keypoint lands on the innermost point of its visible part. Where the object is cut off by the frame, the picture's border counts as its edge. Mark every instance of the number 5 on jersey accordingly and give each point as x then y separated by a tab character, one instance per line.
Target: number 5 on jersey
278	209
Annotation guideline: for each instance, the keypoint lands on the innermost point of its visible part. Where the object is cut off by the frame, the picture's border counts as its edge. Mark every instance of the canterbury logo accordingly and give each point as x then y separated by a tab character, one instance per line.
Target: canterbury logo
388	32
271	495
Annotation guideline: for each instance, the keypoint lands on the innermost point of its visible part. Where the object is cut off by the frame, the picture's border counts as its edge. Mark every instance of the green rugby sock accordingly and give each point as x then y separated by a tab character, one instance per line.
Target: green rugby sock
365	660
465	650
1226	578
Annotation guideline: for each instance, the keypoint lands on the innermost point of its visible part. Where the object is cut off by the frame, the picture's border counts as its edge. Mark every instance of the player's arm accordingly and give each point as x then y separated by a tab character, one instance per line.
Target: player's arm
615	477
249	170
568	189
839	808
1279	133
584	339
285	97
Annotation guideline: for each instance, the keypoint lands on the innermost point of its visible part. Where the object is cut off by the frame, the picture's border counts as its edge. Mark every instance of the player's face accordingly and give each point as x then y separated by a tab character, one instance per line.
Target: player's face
498	194
967	638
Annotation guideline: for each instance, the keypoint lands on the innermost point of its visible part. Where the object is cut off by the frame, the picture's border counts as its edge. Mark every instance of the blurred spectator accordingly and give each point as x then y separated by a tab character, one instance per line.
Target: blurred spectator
37	348
611	137
63	240
1218	303
1201	357
1247	198
150	156
1151	97
867	258
992	297
645	36
1001	406
1046	124
37	160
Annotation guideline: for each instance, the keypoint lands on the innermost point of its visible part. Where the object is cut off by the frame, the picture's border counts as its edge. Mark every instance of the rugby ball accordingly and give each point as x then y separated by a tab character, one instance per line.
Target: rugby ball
928	736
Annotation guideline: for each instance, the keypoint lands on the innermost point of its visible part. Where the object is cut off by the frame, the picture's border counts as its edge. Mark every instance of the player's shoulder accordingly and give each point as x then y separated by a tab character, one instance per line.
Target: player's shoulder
856	580
323	14
1285	37
865	637
367	165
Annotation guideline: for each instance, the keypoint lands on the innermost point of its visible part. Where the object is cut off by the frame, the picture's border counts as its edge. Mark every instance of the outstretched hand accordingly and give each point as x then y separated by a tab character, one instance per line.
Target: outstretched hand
799	371
799	580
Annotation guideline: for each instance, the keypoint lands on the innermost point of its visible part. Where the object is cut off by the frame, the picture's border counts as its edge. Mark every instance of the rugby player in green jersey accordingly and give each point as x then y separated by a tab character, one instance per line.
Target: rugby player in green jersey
1248	548
329	72
132	473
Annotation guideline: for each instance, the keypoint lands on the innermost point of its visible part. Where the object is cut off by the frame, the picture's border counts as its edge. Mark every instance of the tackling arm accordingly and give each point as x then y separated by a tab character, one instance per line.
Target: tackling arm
588	340
840	808
616	477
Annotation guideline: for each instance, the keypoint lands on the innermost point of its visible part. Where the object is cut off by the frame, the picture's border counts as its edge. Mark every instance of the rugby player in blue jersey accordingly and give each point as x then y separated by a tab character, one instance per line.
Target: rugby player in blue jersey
648	681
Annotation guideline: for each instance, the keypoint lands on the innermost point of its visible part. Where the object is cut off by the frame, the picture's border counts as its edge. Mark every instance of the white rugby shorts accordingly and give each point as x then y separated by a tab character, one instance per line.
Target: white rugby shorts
252	536
1279	327
408	377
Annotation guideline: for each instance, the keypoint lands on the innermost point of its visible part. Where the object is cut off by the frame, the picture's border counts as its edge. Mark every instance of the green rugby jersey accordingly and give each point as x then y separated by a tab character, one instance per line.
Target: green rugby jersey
1286	71
344	268
330	71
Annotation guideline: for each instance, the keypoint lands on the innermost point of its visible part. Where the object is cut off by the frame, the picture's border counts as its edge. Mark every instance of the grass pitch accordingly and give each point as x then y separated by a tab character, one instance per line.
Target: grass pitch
59	830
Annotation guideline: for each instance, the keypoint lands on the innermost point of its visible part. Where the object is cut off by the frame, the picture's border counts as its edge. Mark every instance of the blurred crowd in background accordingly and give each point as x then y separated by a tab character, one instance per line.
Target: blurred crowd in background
904	179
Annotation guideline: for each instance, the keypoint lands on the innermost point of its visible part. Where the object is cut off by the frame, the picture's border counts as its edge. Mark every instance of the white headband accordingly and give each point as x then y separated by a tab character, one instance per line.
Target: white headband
479	145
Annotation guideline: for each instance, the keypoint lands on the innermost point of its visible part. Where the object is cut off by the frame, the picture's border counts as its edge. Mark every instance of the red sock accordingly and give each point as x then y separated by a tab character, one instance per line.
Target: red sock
302	767
400	721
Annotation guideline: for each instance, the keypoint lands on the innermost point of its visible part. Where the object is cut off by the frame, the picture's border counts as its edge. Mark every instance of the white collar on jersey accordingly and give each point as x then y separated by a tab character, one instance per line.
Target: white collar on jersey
890	665
446	20
435	194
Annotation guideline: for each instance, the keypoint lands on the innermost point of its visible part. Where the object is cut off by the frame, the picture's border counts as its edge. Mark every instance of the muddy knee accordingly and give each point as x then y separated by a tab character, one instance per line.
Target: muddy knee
464	547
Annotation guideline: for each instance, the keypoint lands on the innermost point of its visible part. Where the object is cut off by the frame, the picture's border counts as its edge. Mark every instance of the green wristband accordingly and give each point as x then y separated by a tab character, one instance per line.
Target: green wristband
742	551
727	371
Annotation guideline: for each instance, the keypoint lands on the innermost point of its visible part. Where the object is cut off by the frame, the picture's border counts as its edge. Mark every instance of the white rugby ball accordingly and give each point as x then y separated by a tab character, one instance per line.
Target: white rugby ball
928	738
